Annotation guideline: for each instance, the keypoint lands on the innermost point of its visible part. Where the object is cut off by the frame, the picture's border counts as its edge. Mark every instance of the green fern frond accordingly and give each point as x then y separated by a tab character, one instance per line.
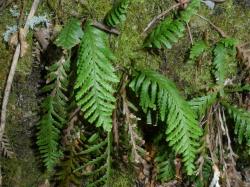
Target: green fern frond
54	113
182	130
98	162
201	104
165	34
224	54
70	35
165	167
197	49
95	78
6	148
170	31
117	14
242	123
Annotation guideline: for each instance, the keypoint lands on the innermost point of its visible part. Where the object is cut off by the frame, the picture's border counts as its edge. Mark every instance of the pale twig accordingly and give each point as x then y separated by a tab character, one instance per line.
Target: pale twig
190	34
157	18
13	69
221	32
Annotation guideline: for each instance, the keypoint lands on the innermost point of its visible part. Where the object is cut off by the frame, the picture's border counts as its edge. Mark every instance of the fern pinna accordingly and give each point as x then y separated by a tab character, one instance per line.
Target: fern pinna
54	112
183	132
169	31
95	78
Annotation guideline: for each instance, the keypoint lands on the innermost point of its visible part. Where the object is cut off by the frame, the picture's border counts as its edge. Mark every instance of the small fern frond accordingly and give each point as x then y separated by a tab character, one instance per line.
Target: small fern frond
170	31
117	14
242	123
5	147
165	167
95	78
182	130
201	104
197	49
54	113
70	35
224	52
97	168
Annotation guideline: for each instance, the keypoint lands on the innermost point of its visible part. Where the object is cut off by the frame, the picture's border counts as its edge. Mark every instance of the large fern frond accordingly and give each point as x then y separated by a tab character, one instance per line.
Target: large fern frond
97	168
201	104
70	35
182	130
117	14
54	113
95	78
242	123
170	31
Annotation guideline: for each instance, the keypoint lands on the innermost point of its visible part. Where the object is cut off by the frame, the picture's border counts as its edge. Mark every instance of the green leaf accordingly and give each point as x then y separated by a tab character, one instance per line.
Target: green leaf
70	35
197	49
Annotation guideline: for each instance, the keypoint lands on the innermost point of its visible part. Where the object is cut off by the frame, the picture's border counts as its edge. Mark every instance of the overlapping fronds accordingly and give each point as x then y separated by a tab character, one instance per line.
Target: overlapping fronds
97	165
197	49
117	14
183	132
242	123
95	78
170	31
70	35
201	104
54	113
224	54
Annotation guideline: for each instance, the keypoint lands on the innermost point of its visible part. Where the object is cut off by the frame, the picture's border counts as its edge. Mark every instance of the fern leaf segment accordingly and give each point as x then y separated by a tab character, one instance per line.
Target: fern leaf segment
95	78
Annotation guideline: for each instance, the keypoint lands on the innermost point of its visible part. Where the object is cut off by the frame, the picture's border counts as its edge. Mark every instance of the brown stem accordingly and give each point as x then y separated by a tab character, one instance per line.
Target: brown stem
105	28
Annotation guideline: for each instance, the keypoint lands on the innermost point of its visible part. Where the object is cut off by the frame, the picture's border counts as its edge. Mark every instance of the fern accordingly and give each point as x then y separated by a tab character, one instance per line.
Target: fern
222	52
201	104
6	148
197	49
54	113
95	76
182	129
97	168
242	123
117	14
70	35
170	31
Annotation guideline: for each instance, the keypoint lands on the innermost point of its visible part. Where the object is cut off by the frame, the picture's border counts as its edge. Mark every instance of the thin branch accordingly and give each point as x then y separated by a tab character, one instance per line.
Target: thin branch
190	34
13	69
105	28
221	32
157	18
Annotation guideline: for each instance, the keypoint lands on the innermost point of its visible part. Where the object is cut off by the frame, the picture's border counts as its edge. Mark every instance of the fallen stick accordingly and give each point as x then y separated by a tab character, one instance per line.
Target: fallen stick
13	69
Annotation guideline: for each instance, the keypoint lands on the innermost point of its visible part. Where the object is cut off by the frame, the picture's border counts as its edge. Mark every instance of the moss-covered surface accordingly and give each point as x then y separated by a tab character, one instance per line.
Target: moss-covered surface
232	17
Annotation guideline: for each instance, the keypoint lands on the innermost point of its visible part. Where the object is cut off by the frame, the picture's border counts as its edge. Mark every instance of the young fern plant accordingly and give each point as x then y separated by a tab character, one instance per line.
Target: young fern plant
182	130
95	80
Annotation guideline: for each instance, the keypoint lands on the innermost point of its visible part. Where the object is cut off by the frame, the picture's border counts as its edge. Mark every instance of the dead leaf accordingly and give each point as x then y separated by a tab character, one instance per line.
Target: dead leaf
23	42
13	40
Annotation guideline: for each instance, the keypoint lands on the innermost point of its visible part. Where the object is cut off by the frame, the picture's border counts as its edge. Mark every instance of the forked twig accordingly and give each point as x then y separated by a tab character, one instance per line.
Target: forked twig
13	69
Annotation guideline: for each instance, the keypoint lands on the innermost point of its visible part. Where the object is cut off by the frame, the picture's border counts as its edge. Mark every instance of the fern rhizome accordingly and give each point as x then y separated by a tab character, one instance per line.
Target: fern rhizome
94	113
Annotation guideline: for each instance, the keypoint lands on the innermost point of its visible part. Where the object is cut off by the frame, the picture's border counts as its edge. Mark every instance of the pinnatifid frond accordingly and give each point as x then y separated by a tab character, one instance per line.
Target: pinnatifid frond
70	35
95	81
201	104
197	49
157	92
96	169
170	31
53	113
224	54
242	123
117	14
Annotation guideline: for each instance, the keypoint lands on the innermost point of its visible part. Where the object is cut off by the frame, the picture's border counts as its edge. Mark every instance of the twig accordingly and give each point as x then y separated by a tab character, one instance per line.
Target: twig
157	18
105	28
190	34
221	32
13	69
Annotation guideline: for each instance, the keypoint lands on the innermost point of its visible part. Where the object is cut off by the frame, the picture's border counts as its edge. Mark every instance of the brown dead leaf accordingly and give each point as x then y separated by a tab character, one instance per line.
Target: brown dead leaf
13	40
23	42
243	53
